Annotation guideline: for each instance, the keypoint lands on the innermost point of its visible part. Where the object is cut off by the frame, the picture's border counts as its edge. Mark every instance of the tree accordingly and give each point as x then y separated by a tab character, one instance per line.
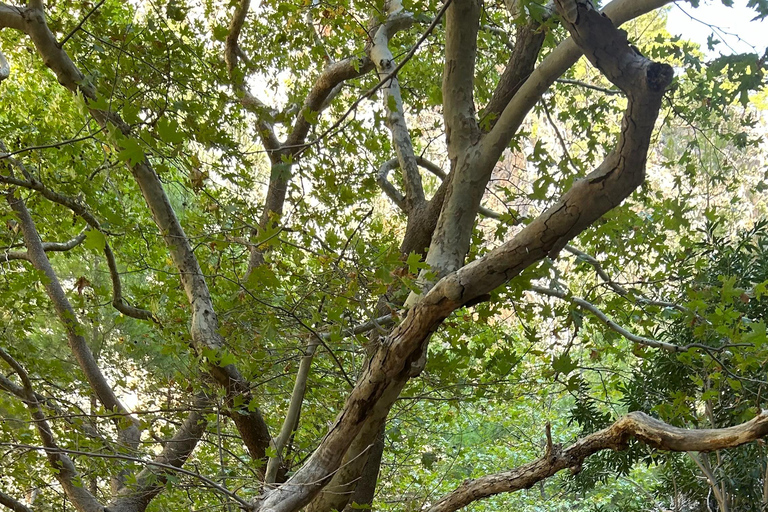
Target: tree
166	92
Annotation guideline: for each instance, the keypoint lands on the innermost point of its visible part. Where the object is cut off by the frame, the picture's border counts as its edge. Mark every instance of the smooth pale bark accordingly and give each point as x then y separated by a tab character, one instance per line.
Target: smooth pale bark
393	104
128	433
204	323
637	425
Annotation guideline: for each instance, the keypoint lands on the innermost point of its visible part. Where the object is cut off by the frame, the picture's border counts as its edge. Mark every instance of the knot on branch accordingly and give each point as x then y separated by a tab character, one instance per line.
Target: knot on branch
659	76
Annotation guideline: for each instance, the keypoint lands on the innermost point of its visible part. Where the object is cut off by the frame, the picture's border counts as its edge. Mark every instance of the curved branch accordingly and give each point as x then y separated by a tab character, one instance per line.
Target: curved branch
620	290
393	104
235	27
550	69
11	17
118	301
47	247
600	315
637	425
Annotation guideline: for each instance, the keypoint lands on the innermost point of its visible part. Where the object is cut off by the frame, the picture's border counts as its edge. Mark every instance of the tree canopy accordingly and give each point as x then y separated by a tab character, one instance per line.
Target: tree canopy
409	256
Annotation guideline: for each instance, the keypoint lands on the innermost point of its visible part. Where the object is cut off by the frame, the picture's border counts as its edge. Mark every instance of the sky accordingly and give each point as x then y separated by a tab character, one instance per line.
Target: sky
732	25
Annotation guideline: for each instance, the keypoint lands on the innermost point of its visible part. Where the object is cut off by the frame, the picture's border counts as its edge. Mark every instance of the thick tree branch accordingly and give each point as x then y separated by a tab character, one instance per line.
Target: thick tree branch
11	17
399	355
462	22
637	425
522	60
550	69
13	504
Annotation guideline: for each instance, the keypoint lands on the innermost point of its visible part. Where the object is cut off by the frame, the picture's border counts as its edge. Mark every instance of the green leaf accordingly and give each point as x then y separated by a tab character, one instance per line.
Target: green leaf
95	240
564	364
168	130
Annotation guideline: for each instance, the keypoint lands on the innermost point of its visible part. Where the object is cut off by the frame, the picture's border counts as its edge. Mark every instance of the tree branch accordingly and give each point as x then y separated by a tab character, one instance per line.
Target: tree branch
11	17
150	482
597	312
128	434
620	290
204	324
550	69
399	355
5	68
522	60
462	22
63	467
13	504
393	104
118	301
637	425
47	247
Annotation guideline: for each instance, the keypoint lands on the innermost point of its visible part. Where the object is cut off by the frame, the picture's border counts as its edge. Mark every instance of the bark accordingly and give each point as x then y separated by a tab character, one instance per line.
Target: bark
13	504
128	435
637	425
393	103
521	63
204	323
399	354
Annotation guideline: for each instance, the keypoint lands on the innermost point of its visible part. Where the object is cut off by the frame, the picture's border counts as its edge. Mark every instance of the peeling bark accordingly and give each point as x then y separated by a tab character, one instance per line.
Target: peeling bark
637	425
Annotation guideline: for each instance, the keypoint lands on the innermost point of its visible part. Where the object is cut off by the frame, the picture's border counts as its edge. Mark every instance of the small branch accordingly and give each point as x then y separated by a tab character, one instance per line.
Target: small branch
620	290
160	465
393	104
648	342
80	209
604	90
235	27
397	197
47	247
80	25
373	90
